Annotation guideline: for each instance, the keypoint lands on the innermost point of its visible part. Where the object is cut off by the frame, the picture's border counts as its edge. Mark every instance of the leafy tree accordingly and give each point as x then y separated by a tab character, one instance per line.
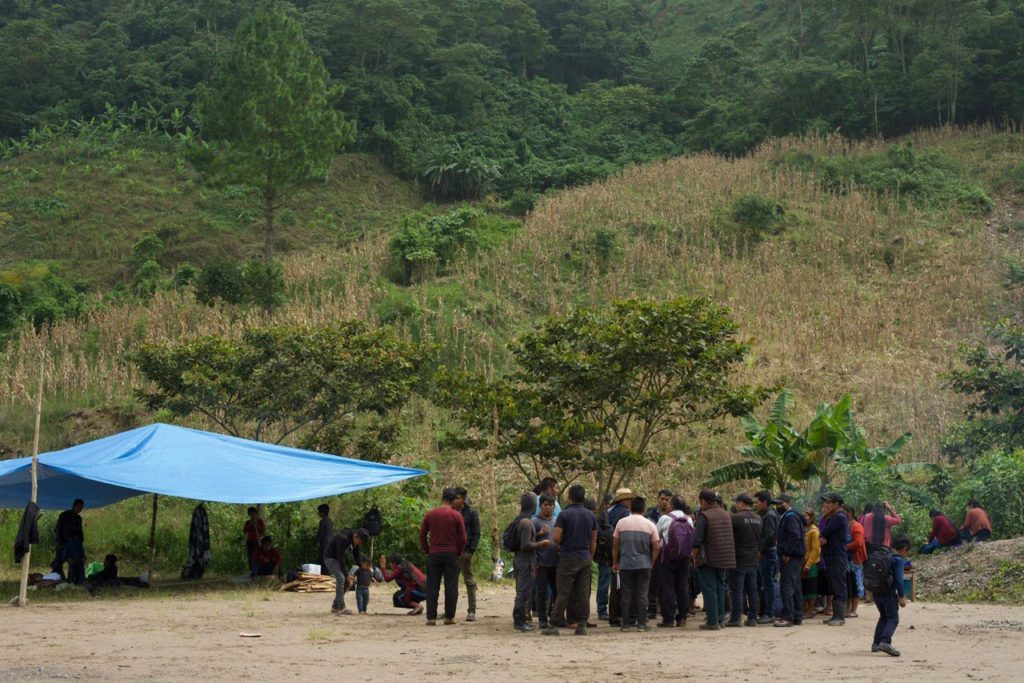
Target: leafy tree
595	391
270	108
282	384
778	455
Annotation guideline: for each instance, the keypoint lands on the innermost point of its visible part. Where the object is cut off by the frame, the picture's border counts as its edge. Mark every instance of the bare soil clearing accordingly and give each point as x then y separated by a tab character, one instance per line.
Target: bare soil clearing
198	637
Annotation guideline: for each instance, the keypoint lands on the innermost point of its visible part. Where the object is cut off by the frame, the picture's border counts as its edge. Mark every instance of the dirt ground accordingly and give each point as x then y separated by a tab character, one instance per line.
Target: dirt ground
197	637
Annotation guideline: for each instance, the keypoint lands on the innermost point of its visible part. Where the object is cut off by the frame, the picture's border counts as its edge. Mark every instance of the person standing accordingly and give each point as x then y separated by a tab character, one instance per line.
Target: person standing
524	562
888	602
635	549
811	557
746	531
976	525
576	536
547	560
548	486
471	518
658	511
714	552
792	549
856	555
334	559
834	528
603	558
443	539
618	511
70	542
768	558
324	532
878	523
673	566
254	529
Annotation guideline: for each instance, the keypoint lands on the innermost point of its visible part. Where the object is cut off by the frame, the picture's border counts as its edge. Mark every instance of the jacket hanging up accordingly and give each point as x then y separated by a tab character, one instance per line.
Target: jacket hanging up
198	544
28	531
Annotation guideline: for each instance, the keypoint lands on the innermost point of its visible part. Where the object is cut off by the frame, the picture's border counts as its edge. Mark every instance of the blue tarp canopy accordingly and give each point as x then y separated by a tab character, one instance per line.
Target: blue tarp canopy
187	463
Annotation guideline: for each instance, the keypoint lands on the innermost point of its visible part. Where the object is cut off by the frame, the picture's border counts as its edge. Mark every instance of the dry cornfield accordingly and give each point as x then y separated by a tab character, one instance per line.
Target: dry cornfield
855	295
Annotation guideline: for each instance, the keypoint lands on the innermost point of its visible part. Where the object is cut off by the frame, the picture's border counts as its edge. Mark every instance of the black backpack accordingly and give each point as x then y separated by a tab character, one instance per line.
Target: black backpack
878	571
372	522
510	536
603	552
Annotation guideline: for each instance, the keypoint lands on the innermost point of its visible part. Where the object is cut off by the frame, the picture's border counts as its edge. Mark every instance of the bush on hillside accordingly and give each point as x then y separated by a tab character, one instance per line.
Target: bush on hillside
233	282
426	245
756	215
997	481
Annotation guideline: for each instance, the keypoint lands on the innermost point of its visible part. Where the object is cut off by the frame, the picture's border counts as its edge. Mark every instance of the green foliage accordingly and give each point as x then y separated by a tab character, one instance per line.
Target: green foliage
270	110
184	275
996	479
149	248
756	215
147	279
926	178
283	383
255	282
34	292
425	245
459	172
593	390
264	283
221	280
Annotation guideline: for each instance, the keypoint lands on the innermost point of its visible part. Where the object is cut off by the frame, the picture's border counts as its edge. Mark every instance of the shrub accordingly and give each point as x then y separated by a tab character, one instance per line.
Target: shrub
997	481
147	279
148	248
222	279
185	275
264	283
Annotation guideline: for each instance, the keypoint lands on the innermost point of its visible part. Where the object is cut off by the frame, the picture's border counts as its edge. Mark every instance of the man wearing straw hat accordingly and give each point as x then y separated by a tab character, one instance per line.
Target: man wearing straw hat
619	510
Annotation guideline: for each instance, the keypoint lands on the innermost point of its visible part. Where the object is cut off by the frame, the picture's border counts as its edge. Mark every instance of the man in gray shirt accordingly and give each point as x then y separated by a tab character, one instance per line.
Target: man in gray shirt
525	559
635	547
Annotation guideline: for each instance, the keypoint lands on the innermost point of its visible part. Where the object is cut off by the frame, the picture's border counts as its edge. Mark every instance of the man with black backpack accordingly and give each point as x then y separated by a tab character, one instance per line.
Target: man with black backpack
673	567
883	576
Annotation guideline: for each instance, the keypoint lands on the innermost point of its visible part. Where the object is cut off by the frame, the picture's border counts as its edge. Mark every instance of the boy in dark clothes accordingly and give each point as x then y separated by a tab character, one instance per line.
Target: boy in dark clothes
889	602
525	560
363	574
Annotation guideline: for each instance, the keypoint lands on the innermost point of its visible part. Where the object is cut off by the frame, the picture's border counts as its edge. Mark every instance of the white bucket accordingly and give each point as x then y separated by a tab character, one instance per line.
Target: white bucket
310	568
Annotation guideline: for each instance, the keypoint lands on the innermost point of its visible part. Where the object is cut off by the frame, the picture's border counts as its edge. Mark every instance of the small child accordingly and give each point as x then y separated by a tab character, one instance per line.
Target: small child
890	601
363	575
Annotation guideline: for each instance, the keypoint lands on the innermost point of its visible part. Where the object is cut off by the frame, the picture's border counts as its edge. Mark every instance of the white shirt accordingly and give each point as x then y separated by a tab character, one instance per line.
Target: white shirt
666	521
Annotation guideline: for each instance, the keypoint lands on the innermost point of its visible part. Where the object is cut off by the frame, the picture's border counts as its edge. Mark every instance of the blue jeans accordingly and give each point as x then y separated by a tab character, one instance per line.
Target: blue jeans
743	582
768	570
604	584
712	587
933	545
362	597
888	605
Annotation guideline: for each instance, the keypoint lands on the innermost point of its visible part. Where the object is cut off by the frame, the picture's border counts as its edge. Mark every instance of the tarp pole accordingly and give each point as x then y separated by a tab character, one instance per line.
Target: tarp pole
25	561
152	543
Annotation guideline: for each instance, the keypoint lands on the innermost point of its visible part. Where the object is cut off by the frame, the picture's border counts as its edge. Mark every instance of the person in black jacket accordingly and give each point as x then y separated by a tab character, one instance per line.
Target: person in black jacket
791	548
472	519
70	543
334	559
324	532
768	560
746	531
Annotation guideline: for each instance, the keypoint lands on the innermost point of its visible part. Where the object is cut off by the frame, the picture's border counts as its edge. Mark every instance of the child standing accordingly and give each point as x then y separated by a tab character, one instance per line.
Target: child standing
890	600
363	575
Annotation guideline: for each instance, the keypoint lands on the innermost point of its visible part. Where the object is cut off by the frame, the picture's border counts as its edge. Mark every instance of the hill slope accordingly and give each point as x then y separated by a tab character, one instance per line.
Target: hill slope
847	291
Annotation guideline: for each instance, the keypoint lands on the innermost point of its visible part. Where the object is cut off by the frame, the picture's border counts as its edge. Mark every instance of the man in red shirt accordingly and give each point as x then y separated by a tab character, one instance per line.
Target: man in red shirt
443	538
253	530
943	535
266	561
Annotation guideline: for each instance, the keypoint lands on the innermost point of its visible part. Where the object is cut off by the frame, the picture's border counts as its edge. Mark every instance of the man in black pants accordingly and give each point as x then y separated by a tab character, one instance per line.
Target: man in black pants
834	528
576	536
443	539
792	549
547	559
472	520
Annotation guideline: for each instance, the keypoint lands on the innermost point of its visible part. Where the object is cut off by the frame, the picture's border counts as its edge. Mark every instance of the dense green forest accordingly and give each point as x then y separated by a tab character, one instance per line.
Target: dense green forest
512	97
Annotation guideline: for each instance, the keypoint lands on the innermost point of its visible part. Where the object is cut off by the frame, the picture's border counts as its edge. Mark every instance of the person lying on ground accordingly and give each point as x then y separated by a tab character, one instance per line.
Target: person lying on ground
410	580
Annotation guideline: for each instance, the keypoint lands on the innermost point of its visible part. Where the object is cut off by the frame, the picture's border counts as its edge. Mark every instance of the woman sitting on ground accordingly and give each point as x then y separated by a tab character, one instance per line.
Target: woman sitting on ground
943	535
976	527
411	582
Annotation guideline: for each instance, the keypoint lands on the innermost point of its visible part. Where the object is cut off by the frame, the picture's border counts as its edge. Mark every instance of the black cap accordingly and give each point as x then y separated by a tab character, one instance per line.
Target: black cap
744	498
832	497
782	498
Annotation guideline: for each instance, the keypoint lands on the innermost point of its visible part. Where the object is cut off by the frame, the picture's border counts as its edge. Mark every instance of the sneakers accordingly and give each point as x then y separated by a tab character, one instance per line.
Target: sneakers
766	620
874	647
733	624
751	621
643	627
835	622
603	617
783	624
627	629
523	626
680	623
887	649
471	616
341	612
666	624
710	627
581	630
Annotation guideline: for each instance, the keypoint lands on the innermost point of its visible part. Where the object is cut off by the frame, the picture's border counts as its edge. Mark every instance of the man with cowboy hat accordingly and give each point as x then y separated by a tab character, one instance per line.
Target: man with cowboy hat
619	510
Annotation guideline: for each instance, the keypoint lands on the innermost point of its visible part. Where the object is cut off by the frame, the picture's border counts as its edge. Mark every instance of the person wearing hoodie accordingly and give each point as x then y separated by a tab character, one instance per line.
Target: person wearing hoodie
471	518
792	548
834	529
525	560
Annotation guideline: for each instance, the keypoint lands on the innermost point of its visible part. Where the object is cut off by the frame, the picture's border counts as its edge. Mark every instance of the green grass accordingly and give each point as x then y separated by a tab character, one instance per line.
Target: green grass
84	209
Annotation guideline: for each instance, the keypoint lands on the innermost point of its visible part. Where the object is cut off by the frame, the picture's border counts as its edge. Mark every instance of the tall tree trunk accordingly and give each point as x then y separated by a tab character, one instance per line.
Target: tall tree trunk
268	228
